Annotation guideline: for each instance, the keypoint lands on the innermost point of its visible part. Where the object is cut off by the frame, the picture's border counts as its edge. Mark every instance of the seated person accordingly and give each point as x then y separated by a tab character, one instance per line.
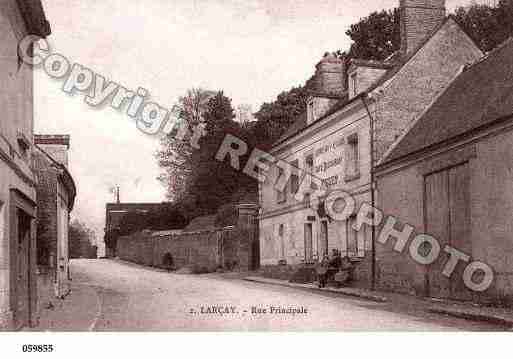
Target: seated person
336	259
322	271
345	273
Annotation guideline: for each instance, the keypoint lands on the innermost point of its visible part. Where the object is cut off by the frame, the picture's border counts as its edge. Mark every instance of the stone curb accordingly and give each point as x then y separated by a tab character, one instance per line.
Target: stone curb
353	292
469	315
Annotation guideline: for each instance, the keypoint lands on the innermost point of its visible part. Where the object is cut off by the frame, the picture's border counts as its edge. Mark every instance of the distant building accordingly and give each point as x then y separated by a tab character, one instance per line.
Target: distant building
114	213
450	176
56	192
354	114
18	303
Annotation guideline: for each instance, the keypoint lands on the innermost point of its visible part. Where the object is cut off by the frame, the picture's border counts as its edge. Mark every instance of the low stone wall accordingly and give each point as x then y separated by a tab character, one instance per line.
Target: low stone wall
229	248
205	250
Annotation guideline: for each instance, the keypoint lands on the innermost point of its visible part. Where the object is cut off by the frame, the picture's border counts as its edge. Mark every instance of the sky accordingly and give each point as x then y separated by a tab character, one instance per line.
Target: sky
251	49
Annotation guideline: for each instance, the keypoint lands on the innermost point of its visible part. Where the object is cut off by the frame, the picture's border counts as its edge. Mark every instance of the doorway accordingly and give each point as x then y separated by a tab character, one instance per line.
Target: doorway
308	243
22	296
23	277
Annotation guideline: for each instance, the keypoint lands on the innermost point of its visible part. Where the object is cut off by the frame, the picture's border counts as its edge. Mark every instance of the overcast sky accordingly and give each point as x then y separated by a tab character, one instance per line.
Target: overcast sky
251	49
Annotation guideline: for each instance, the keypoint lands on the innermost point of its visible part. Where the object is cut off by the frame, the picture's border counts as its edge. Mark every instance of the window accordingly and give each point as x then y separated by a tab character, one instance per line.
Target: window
352	158
355	239
294	177
281	231
310	114
281	196
353	85
309	164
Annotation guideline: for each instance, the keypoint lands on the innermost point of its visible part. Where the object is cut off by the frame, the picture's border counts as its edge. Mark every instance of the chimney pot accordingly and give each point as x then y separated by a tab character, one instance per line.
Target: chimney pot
419	18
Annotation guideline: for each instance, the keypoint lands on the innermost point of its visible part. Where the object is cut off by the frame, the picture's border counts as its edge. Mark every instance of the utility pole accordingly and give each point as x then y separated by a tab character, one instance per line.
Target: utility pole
117	195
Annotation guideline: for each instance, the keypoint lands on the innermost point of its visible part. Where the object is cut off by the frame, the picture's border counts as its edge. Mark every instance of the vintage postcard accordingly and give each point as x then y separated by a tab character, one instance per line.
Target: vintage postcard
255	166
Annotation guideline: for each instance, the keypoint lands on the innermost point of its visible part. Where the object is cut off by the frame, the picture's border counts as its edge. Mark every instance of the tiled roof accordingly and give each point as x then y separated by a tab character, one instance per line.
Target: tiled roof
298	125
394	64
301	124
480	95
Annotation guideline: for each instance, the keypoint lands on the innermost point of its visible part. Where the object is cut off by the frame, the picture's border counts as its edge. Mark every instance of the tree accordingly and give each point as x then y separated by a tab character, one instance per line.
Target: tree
165	217
275	117
174	155
81	241
487	25
376	36
212	182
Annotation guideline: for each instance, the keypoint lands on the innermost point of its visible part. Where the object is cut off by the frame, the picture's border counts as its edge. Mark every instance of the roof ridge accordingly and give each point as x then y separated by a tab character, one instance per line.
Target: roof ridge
489	54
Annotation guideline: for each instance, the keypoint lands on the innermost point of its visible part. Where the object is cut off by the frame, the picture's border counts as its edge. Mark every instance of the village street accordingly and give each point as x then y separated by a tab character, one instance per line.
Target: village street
119	296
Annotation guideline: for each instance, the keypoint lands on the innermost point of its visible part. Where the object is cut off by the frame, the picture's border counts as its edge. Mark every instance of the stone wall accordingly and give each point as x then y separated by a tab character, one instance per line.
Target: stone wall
204	250
230	247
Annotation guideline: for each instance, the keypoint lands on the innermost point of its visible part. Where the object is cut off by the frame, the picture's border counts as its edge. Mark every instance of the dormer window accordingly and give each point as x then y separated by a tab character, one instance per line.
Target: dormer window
353	84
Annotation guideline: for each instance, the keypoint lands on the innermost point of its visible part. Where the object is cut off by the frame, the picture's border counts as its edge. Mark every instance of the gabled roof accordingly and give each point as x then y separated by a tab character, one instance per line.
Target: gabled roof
34	17
394	64
479	96
399	59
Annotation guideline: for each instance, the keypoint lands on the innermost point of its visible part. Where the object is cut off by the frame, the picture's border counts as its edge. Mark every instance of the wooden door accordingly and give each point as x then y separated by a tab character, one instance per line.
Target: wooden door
459	206
22	310
308	243
447	218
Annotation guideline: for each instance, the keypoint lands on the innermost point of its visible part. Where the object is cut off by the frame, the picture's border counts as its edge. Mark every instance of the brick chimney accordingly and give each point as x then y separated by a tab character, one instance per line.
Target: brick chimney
56	146
326	87
330	76
419	18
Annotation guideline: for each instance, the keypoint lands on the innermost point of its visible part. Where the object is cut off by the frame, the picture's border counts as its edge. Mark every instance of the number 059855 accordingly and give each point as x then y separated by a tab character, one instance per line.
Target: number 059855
37	348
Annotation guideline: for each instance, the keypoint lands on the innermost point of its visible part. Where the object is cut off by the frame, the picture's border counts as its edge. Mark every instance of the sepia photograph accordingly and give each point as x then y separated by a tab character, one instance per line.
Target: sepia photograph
184	168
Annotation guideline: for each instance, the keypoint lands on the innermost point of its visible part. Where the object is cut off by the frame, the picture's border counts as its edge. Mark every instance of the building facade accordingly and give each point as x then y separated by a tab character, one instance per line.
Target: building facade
56	192
354	114
17	181
450	177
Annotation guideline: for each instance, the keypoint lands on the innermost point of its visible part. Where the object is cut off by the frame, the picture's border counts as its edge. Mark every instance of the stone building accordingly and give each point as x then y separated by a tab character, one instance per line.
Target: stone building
450	176
56	192
18	304
357	110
